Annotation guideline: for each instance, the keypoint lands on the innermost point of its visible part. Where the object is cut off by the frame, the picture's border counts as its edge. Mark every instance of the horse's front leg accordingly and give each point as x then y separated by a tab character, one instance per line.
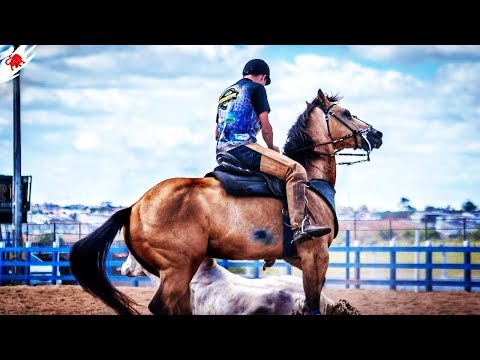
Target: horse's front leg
314	261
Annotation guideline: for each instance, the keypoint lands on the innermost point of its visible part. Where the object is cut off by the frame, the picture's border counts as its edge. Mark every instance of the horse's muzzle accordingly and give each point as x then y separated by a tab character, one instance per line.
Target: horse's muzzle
375	139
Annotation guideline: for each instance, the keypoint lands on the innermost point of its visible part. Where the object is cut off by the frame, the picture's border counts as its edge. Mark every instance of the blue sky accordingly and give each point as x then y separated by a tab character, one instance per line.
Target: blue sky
106	123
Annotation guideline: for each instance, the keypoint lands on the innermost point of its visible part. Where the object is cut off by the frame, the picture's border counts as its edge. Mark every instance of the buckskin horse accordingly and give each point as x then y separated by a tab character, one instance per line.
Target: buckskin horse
180	221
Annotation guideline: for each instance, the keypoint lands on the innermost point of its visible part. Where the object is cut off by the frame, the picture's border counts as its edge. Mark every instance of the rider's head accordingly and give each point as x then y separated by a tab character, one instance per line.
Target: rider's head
257	67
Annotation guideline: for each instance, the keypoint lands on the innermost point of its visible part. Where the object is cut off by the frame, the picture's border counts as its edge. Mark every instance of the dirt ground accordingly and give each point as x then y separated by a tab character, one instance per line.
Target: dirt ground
72	300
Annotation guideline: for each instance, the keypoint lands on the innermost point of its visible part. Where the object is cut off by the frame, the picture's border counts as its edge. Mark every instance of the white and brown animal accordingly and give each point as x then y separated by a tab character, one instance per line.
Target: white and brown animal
217	291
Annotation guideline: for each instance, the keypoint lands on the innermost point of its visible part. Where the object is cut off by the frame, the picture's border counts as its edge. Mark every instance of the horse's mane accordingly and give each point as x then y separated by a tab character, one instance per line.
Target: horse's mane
298	136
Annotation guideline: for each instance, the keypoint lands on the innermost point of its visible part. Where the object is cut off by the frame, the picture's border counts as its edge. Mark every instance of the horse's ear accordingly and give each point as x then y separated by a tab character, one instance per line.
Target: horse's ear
321	96
308	104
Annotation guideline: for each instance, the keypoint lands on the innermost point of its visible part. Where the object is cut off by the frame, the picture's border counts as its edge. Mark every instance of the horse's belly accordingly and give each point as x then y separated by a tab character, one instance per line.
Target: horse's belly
249	230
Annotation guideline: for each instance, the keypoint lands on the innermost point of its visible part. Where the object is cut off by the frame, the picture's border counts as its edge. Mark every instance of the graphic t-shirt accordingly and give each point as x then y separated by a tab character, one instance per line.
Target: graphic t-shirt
237	114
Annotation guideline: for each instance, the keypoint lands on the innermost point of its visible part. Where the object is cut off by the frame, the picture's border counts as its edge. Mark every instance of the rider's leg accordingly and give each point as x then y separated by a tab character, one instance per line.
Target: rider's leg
281	166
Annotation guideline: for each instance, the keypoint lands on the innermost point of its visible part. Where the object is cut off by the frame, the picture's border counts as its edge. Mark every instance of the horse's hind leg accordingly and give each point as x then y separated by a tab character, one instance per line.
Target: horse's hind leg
173	294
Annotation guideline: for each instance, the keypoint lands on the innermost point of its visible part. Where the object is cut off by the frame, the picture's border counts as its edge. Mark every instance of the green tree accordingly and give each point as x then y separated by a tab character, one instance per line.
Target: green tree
45	239
405	205
469	206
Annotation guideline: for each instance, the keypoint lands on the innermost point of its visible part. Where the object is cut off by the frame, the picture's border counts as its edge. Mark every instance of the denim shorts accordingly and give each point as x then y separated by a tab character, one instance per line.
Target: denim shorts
248	157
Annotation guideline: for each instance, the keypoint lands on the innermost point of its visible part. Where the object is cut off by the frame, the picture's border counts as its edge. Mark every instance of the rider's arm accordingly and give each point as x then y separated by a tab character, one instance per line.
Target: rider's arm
267	131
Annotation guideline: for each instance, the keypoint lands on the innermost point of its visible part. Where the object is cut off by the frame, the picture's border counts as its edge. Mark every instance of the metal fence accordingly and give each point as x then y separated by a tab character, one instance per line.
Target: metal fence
423	267
368	232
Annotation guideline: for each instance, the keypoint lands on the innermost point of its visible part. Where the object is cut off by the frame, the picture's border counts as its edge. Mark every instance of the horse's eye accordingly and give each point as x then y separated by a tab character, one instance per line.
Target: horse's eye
347	114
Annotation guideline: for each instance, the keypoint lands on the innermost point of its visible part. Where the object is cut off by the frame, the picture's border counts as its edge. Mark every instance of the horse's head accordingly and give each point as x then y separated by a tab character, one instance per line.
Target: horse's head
325	128
344	129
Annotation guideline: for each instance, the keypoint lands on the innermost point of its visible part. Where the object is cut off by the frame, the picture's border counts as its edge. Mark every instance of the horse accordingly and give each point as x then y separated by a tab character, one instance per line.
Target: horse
217	291
180	221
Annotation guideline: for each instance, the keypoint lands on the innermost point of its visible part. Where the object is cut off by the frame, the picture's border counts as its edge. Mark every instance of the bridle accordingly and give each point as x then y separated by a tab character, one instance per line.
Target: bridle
354	133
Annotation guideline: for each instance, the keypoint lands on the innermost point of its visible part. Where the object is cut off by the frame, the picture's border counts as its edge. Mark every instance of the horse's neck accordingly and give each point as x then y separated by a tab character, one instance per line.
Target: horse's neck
319	165
324	168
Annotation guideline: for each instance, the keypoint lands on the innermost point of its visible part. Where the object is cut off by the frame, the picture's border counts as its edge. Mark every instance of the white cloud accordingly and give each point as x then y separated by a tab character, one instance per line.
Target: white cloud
415	52
130	116
86	141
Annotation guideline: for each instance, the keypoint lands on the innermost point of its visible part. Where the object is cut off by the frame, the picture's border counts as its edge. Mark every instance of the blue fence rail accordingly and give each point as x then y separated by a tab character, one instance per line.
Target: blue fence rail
21	265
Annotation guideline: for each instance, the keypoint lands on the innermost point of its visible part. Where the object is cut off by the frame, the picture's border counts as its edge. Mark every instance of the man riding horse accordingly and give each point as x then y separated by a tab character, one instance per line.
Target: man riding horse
242	111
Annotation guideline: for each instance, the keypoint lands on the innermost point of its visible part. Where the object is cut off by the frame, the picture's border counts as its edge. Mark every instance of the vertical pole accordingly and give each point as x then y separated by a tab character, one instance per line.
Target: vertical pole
390	228
417	258
393	264
444	261
256	269
426	228
28	259
467	259
354	226
347	258
357	264
17	165
2	270
289	269
428	268
17	169
55	260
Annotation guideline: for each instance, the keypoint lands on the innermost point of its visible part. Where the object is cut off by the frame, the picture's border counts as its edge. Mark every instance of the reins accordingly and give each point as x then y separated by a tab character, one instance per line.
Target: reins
354	133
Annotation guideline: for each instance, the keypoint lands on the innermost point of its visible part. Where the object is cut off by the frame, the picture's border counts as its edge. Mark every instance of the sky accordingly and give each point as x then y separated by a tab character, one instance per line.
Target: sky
104	123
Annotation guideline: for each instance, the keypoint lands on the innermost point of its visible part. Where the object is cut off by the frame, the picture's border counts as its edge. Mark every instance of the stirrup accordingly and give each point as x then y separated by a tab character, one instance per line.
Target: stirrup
304	232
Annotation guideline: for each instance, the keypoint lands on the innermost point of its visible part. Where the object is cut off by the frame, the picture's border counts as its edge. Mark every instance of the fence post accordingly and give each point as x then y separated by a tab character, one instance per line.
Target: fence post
223	263
347	259
2	269
357	264
393	261
390	228
444	261
428	267
28	259
417	258
288	269
467	277
54	260
256	269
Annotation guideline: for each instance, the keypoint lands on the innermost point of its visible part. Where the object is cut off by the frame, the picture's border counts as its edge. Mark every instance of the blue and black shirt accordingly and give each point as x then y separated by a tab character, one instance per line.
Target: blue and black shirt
237	114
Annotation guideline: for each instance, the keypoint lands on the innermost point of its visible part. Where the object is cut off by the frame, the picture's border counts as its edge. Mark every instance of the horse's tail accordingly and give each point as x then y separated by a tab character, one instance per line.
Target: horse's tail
88	263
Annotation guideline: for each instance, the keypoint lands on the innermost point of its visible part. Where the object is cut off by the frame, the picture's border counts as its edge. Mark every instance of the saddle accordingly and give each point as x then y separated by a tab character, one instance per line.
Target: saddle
239	181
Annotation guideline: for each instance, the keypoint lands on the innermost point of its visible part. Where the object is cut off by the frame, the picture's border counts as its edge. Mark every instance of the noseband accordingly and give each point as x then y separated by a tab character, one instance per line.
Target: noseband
354	133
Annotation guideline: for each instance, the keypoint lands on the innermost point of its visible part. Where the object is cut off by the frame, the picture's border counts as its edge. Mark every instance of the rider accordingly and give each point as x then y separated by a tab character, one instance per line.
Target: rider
242	112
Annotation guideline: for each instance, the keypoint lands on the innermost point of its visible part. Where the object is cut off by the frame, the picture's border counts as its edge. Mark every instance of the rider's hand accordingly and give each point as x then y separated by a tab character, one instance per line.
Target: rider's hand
275	148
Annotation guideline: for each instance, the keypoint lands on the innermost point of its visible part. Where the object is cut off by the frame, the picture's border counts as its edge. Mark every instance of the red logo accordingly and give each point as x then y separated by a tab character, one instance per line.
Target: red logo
14	60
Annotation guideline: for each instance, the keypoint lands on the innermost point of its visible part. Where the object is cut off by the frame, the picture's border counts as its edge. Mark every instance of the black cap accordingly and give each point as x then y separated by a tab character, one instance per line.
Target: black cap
257	67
